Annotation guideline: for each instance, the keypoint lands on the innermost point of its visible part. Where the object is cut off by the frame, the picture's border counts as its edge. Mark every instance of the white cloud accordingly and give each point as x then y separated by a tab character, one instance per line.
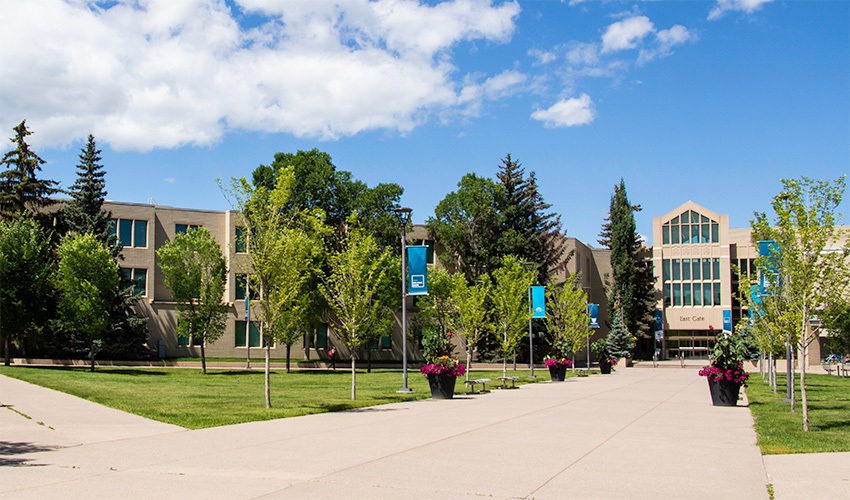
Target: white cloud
143	74
724	6
542	56
567	113
170	180
625	34
664	42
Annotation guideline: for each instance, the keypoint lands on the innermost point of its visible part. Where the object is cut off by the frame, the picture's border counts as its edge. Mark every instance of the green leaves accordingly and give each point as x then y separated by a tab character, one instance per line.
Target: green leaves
567	317
510	302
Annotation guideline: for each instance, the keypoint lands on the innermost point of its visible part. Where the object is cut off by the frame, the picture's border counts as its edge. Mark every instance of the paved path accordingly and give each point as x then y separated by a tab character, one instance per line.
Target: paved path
633	434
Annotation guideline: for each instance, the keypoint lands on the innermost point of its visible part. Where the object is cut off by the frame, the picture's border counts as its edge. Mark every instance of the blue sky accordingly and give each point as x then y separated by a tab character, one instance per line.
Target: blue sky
710	101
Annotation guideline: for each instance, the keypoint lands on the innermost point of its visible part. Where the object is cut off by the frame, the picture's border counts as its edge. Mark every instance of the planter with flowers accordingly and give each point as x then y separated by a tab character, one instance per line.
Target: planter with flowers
441	369
558	368
726	372
442	373
603	356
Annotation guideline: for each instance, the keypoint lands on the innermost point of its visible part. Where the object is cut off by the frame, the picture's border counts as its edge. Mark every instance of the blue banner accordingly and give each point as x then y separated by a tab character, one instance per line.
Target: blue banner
770	270
659	325
538	301
417	270
727	321
247	308
593	312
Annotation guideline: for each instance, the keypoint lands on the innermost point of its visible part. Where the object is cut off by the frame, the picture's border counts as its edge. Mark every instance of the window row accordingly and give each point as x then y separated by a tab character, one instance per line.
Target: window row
690	269
130	233
317	341
692	294
690	227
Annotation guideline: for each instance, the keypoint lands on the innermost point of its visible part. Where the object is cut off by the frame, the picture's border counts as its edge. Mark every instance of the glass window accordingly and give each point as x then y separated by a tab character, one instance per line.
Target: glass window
686	233
677	294
240	286
429	259
322	336
665	234
696	270
685	218
677	270
717	301
686	269
253	337
715	233
704	219
387	341
674	235
675	221
667	294
706	269
665	266
140	233
716	267
113	227
697	294
140	278
183	228
182	340
686	294
125	232
706	294
705	229
241	240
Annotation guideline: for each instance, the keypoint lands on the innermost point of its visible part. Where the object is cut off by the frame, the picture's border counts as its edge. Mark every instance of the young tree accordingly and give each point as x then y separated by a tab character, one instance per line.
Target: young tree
279	250
353	289
566	315
195	272
87	280
85	213
633	284
470	320
510	305
25	272
620	342
20	188
811	265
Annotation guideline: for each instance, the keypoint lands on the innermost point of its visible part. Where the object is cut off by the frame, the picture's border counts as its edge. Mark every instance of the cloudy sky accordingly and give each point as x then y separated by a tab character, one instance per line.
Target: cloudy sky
710	101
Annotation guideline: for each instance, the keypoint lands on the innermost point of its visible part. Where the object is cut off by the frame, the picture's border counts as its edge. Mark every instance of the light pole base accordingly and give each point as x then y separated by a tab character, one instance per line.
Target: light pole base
404	390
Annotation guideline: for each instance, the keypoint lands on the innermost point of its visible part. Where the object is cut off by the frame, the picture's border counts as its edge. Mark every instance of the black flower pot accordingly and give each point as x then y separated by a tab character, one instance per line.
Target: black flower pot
724	392
442	385
604	367
558	372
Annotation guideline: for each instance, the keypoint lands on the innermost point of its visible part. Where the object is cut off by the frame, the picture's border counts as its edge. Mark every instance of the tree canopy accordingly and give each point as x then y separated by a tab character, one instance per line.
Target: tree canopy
20	188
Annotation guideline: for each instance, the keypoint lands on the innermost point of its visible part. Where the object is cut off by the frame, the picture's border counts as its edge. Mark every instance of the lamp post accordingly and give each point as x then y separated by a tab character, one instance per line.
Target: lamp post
529	266
403	214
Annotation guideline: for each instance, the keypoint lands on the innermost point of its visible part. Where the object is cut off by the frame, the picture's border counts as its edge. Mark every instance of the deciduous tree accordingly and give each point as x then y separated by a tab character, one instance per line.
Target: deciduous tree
510	305
566	315
195	272
470	304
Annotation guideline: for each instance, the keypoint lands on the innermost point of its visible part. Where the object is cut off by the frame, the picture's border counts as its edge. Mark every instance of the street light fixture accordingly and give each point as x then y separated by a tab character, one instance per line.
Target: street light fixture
403	215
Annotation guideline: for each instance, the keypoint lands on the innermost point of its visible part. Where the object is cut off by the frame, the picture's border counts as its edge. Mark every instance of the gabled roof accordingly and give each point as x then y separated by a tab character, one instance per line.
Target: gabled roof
689	205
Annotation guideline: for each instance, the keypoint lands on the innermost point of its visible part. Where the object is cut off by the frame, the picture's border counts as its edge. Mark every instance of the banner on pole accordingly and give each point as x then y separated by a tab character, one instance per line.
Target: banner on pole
659	325
538	301
247	308
727	321
417	270
593	312
770	278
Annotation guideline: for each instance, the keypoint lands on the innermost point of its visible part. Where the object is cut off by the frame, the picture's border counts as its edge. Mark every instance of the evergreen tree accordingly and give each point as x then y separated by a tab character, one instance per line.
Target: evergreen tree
633	284
619	342
548	238
20	188
85	213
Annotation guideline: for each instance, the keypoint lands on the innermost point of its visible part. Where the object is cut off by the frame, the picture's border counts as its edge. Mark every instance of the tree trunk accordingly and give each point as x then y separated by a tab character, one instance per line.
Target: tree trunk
369	359
468	359
288	349
268	371
804	355
91	349
203	359
353	377
7	357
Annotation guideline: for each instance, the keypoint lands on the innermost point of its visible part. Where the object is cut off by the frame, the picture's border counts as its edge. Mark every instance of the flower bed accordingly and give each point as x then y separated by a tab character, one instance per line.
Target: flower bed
558	362
444	366
736	375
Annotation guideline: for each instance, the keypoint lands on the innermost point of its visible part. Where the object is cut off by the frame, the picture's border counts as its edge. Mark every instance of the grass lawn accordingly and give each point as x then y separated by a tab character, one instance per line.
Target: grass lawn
781	431
187	398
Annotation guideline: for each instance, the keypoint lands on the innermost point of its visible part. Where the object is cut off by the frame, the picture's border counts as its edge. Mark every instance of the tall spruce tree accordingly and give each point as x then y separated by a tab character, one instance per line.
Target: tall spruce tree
20	188
85	213
632	284
528	230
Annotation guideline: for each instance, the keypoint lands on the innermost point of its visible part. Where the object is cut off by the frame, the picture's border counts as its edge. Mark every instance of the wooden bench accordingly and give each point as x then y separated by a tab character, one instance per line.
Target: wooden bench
505	382
482	381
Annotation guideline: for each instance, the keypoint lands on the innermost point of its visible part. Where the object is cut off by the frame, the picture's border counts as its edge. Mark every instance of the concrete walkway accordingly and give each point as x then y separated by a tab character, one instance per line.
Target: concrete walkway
633	434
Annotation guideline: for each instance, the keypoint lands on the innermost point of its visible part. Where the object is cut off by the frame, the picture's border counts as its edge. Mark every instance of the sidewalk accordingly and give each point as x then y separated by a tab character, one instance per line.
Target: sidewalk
633	434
